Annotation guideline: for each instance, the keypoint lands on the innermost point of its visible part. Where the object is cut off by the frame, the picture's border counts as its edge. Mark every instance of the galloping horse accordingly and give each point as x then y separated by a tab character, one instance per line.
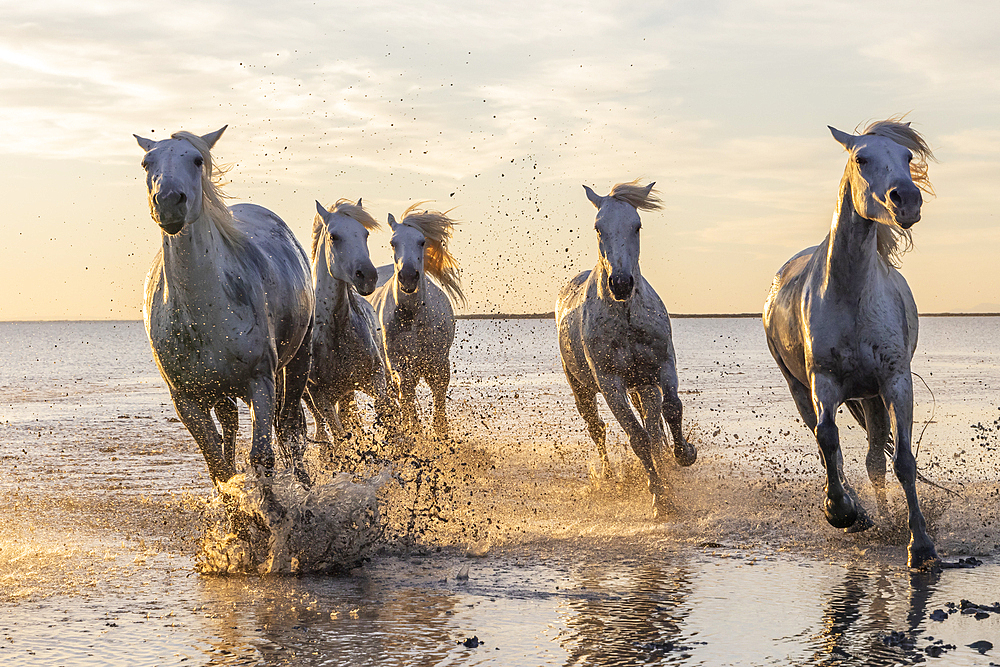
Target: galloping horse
614	338
228	309
418	320
347	343
842	324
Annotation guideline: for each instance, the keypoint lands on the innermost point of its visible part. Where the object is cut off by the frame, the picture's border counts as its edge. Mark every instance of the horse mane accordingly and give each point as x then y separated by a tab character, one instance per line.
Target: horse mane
213	198
637	195
437	228
345	207
894	241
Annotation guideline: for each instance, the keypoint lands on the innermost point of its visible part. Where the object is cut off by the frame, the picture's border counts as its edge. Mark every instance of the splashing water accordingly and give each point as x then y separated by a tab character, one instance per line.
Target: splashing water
289	529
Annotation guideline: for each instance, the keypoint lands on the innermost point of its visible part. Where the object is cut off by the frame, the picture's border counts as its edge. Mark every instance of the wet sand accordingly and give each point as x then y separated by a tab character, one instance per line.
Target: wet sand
520	557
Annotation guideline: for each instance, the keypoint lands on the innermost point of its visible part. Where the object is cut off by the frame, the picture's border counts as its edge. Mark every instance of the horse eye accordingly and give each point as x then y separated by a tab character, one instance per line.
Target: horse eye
862	161
199	162
909	158
145	165
422	243
334	238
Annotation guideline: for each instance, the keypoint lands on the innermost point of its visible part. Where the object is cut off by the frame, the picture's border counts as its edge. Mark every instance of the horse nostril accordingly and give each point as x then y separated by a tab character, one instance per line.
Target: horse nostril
895	198
359	274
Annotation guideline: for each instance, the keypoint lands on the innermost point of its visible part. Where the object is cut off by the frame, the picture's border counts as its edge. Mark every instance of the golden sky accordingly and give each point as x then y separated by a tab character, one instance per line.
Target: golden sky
503	111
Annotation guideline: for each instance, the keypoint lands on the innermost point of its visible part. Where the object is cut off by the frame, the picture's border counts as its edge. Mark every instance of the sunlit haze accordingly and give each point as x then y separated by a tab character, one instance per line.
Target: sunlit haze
501	111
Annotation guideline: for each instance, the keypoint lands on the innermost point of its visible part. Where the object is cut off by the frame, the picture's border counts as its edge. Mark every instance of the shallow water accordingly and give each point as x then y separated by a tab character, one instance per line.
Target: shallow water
108	501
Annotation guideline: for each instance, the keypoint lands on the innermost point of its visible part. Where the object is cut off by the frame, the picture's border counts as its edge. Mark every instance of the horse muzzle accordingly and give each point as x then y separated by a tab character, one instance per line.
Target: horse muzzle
621	286
409	280
171	228
365	279
905	202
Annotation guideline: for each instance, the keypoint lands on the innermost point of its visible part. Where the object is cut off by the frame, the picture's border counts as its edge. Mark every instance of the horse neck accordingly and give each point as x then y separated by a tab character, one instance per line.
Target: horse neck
332	294
852	247
194	261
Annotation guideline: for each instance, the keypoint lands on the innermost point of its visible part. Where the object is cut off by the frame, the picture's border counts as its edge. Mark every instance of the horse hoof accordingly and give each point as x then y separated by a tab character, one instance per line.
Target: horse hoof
861	524
686	454
923	557
842	514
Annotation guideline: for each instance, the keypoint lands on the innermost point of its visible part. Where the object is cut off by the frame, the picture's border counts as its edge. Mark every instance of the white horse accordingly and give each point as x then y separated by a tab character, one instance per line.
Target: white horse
842	324
417	317
348	353
228	308
614	338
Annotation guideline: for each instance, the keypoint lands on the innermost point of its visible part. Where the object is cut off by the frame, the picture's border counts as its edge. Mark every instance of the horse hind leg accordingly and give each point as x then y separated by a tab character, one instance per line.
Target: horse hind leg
876	423
648	402
685	452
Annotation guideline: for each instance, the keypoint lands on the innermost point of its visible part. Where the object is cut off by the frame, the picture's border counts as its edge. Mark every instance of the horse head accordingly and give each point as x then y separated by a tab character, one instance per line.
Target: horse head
346	239
408	245
618	226
879	173
177	172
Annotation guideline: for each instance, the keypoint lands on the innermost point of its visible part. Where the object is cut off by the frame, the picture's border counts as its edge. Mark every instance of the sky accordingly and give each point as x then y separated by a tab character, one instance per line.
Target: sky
501	112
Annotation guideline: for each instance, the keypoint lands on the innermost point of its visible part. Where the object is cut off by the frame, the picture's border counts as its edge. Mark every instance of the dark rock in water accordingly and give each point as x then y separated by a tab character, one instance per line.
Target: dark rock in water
901	639
472	642
971	561
981	616
982	646
939	615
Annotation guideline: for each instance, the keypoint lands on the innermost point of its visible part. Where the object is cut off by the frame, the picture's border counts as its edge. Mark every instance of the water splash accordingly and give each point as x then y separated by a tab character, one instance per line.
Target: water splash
283	527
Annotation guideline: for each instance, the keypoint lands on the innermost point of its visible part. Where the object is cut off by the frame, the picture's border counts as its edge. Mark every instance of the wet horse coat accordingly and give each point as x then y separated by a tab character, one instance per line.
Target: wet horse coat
228	309
348	353
615	339
416	313
841	323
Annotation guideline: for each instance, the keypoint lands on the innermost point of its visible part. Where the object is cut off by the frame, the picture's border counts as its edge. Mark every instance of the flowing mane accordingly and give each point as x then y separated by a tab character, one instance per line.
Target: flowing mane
345	207
894	241
438	260
213	198
637	195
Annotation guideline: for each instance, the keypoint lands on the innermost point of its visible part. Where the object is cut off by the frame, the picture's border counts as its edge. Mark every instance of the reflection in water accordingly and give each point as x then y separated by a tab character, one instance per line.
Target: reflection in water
858	618
327	621
640	621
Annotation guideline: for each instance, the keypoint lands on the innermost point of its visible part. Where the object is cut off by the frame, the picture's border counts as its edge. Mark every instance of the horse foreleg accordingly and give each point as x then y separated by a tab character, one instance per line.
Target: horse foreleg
613	389
387	413
685	453
309	396
198	420
840	507
586	404
899	402
877	425
261	397
229	416
407	382
438	380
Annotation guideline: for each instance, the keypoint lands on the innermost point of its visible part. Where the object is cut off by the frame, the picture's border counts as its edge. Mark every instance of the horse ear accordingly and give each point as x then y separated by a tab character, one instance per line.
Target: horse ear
212	137
323	213
359	202
594	198
145	144
649	188
392	222
843	138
